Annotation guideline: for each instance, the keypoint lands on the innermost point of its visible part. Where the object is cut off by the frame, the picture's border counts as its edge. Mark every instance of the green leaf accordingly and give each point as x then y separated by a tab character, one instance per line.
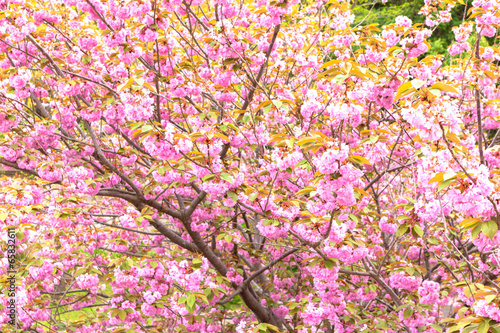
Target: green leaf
417	84
232	195
262	327
410	270
433	241
445	183
418	230
277	104
305	190
435	92
191	300
339	79
454	328
209	177
80	271
246	118
265	327
495	329
475	231
274	328
354	218
490	228
483	327
359	160
114	312
403	228
122	314
489	298
226	177
444	87
437	327
20	235
329	264
253	196
469	328
382	325
408	312
146	128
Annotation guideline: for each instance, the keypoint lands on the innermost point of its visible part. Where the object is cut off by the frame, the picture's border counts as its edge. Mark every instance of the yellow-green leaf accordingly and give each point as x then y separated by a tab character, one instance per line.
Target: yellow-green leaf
126	85
469	221
418	230
437	328
444	87
417	84
490	228
490	298
306	190
307	141
122	314
359	160
252	196
191	300
329	264
445	184
483	327
407	313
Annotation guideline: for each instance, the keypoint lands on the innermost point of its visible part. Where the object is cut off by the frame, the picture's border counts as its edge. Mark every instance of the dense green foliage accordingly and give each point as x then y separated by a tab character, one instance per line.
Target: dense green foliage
370	12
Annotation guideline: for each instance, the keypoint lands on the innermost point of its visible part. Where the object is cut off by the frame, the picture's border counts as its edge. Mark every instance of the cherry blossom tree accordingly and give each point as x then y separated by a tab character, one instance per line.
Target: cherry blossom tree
249	166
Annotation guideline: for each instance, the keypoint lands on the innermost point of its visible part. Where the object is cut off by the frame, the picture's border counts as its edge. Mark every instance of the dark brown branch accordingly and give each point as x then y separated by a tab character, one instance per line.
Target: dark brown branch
100	16
199	198
17	167
129	229
249	97
478	108
105	161
245	283
374	180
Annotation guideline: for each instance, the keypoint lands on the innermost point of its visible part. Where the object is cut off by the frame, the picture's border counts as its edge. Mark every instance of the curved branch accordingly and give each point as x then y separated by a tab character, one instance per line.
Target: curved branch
245	283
